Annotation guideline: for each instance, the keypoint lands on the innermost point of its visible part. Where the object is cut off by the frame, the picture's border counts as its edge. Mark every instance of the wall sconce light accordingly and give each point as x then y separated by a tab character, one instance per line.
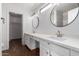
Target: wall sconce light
48	6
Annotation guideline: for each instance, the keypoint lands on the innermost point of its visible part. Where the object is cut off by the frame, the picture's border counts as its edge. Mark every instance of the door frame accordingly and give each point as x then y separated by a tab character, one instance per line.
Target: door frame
0	29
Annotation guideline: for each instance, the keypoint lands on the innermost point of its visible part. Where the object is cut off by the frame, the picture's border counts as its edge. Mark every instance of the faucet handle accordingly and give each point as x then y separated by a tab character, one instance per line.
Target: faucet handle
59	34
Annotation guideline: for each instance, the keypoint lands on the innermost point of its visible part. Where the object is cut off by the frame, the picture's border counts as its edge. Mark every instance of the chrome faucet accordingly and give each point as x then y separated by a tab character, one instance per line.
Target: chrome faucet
59	34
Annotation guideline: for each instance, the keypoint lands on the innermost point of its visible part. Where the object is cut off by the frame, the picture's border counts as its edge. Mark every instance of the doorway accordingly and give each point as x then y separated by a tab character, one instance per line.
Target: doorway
15	34
15	31
15	26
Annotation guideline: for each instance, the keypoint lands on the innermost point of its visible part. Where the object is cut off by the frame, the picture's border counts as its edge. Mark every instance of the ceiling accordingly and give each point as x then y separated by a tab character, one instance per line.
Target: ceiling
29	7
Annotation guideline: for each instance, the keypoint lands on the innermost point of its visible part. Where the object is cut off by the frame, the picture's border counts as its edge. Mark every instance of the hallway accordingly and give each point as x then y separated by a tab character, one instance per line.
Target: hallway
17	49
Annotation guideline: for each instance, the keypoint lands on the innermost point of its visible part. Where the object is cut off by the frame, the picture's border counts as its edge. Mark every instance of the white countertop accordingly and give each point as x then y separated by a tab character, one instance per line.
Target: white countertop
72	43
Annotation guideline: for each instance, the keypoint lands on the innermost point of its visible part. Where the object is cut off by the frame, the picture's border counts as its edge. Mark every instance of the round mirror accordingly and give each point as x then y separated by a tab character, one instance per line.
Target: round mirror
35	22
64	14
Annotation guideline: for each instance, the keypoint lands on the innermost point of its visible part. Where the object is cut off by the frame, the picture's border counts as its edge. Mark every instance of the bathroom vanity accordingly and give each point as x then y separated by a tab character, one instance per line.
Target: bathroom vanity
51	45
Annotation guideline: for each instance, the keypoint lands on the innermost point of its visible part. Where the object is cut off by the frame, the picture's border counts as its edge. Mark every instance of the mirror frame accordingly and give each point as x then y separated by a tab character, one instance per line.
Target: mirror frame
37	23
66	24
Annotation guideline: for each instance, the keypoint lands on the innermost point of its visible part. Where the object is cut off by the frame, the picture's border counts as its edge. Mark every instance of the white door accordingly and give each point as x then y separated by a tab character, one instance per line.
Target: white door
44	48
0	30
5	27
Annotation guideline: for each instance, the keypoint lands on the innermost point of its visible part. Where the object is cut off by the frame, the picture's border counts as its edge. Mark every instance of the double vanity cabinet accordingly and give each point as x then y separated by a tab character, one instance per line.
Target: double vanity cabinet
52	49
49	47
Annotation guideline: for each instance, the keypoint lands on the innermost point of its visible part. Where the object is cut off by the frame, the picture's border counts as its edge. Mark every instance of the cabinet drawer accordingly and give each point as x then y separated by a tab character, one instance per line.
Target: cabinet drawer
37	39
26	39
74	53
58	50
32	43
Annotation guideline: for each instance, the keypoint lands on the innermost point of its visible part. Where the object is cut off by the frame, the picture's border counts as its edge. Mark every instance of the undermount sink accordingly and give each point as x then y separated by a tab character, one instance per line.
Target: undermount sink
57	38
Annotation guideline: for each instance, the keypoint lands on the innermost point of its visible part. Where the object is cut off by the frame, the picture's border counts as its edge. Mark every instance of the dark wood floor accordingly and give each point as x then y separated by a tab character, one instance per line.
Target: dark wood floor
17	49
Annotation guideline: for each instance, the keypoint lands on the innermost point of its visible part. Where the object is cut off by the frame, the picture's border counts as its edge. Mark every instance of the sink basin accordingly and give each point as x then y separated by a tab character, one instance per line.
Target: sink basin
57	38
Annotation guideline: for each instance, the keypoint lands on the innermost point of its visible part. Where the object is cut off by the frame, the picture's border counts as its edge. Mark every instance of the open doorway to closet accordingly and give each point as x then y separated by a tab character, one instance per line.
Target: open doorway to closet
15	32
15	26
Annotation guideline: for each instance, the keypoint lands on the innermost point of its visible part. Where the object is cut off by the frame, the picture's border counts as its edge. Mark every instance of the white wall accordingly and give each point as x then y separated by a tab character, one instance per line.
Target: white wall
6	8
46	27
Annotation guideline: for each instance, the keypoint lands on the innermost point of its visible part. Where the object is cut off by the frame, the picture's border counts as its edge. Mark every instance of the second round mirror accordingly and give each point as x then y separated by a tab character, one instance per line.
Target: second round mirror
64	14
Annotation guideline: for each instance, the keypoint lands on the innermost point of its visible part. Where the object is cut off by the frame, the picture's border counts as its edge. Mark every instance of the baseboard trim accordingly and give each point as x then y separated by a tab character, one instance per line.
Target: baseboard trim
15	38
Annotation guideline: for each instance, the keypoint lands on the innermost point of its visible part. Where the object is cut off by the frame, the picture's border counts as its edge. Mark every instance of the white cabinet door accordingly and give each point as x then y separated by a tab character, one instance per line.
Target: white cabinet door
27	40
44	49
32	43
58	50
74	53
